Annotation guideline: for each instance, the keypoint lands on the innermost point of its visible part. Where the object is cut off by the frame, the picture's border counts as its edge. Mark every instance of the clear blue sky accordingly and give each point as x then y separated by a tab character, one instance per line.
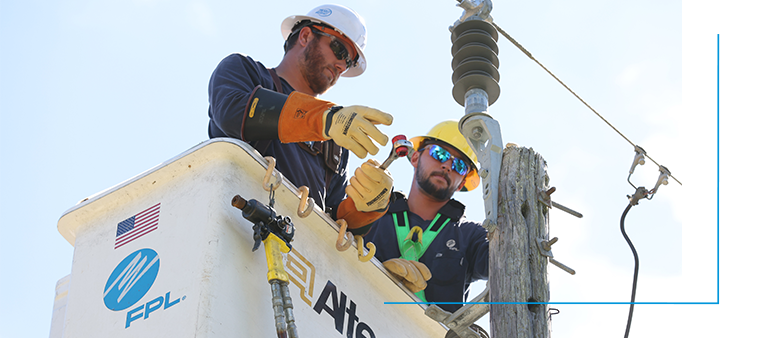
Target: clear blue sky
95	92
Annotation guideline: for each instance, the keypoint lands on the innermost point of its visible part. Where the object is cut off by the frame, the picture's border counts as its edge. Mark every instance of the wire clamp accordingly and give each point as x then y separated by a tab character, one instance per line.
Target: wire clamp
640	192
480	9
638	160
663	179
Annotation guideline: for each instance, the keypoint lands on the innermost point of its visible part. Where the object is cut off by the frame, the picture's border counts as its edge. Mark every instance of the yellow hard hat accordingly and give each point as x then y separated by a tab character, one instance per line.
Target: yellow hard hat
448	132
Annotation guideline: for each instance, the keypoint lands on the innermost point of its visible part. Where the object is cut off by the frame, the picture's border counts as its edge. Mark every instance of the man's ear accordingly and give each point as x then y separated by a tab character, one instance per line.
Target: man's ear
415	159
305	36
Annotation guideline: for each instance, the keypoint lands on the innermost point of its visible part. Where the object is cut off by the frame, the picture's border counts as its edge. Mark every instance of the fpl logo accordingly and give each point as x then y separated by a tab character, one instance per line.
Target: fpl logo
130	282
131	279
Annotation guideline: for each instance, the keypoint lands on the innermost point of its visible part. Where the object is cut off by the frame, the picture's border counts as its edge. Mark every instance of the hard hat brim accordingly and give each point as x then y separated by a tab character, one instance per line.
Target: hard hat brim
290	21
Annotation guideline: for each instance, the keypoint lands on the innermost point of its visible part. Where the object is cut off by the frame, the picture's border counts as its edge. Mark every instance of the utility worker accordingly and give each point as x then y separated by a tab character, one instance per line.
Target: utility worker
426	235
277	111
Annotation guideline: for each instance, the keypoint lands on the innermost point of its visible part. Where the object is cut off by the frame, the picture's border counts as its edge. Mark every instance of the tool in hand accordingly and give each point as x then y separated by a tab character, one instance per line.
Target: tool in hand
400	147
276	232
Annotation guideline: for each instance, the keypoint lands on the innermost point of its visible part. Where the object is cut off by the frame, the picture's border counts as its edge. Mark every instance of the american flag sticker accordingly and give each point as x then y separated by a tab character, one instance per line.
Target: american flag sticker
137	225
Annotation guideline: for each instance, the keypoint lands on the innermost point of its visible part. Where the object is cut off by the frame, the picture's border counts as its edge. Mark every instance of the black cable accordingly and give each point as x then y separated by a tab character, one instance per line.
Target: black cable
637	268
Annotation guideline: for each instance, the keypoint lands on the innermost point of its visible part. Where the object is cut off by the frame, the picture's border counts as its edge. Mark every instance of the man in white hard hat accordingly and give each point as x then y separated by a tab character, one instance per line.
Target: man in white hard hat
277	111
425	239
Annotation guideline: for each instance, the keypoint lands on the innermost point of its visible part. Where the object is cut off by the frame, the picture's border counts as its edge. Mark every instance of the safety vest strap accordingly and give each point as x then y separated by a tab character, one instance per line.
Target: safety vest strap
410	249
413	250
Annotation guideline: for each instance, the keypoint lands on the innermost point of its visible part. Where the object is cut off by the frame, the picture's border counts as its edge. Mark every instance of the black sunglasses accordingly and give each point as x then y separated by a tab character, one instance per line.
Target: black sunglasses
337	48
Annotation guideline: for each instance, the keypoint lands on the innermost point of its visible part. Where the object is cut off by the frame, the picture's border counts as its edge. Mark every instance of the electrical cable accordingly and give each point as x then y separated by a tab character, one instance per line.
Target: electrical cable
637	268
527	53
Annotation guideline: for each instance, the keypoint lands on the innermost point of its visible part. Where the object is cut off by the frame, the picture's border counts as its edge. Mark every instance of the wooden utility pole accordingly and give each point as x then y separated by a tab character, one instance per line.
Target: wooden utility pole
518	271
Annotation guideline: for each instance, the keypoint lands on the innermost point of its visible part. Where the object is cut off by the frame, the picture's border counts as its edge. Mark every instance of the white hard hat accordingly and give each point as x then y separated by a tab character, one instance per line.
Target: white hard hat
344	20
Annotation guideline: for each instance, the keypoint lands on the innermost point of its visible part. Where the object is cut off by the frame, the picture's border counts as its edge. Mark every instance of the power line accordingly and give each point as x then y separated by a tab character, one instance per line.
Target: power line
526	52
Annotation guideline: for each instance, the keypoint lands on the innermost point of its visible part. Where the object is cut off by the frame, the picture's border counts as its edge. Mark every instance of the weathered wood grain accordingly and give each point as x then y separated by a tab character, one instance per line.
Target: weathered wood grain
518	271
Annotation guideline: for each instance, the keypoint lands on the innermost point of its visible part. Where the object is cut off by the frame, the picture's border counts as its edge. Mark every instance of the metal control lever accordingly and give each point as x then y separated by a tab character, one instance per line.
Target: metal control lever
400	147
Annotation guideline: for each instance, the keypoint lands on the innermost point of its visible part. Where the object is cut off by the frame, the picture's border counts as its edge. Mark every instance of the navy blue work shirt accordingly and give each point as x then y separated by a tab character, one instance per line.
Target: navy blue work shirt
457	257
230	86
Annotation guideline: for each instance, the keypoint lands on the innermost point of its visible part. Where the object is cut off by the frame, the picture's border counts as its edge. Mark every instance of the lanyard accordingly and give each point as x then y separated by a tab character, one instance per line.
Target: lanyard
413	250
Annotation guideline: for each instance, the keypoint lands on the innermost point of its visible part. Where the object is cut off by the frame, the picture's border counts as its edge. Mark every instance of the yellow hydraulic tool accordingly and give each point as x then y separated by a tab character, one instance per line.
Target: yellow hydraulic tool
276	232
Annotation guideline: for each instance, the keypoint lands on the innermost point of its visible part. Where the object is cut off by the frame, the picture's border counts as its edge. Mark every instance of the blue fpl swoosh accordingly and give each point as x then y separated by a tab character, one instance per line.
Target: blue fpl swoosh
131	279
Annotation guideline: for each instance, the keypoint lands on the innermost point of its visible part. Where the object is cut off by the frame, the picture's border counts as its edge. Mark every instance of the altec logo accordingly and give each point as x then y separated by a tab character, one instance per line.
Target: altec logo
130	281
331	301
337	309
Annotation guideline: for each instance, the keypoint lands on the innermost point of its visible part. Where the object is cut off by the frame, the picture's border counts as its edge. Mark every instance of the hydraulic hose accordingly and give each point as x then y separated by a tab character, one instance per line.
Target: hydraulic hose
637	268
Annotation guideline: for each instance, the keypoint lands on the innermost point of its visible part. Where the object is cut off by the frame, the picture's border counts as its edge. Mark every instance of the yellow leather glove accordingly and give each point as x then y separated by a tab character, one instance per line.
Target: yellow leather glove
352	127
413	274
370	187
299	117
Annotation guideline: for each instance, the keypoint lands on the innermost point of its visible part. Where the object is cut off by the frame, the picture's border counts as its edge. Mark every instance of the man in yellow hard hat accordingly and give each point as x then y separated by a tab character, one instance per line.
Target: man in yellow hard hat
276	110
425	239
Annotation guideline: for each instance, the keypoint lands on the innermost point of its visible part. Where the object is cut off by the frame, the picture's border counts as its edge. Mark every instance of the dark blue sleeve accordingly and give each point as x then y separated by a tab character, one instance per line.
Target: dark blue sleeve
230	86
477	254
339	182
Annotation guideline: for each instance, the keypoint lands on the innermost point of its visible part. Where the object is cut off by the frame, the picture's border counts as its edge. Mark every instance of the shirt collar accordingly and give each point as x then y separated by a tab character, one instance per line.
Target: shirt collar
453	209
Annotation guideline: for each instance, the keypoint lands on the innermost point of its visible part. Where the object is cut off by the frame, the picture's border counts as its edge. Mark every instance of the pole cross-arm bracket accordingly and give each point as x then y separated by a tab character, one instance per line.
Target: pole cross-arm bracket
483	134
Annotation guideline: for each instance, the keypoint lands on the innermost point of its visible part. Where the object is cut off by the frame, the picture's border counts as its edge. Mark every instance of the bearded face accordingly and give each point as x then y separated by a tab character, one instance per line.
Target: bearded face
426	185
312	68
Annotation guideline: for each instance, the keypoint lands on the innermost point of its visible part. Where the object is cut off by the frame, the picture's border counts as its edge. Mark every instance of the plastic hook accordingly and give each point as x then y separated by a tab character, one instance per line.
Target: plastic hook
371	249
272	172
341	244
306	204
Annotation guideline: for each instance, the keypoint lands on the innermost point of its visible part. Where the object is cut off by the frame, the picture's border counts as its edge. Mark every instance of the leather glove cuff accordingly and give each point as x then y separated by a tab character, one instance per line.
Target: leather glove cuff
303	118
358	222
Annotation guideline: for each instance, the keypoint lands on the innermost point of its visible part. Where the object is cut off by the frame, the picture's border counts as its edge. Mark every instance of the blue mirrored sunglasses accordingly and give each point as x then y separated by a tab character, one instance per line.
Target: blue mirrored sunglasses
439	153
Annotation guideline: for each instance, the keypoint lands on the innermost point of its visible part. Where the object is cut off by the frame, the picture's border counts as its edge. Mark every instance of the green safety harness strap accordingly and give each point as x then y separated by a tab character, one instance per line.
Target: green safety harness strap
413	250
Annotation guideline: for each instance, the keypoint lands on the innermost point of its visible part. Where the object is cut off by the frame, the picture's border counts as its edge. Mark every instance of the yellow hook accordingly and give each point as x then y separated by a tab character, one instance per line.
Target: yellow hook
417	229
371	249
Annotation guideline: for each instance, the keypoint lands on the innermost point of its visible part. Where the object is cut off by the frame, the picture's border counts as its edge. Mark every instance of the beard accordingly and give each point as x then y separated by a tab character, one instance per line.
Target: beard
440	194
312	68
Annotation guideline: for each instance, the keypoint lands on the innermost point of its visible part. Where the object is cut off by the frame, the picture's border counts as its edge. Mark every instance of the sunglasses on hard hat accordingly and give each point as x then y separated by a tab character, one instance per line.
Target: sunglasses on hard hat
338	48
441	154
